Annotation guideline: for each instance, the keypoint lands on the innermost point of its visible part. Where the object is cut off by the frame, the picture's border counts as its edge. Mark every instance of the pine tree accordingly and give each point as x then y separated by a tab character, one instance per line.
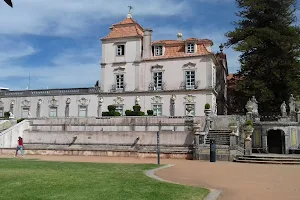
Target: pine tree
269	41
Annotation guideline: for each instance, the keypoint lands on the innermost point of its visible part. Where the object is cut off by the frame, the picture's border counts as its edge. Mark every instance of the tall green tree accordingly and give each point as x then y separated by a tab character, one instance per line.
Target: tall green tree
269	42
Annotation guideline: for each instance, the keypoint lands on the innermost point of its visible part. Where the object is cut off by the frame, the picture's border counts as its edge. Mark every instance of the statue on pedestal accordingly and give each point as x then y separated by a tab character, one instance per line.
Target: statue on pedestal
11	116
283	109
254	107
292	104
137	100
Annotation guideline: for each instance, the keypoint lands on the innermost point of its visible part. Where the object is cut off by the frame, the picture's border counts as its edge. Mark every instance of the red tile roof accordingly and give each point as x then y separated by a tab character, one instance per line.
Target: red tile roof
176	49
126	28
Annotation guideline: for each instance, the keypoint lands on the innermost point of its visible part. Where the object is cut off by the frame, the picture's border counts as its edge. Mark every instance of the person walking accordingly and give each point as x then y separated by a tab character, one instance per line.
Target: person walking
20	147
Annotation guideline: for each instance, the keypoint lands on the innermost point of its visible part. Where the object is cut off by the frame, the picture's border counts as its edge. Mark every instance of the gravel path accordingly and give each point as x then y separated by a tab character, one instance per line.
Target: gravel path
238	181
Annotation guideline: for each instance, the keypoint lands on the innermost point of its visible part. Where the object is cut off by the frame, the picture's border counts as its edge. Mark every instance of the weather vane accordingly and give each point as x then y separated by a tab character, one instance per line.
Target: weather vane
130	8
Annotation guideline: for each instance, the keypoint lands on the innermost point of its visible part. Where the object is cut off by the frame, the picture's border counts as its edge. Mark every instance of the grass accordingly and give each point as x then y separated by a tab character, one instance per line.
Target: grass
35	180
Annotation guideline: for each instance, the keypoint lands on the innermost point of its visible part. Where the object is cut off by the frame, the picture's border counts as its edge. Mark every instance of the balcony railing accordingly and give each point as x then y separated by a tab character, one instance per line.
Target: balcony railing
184	86
114	88
50	92
153	87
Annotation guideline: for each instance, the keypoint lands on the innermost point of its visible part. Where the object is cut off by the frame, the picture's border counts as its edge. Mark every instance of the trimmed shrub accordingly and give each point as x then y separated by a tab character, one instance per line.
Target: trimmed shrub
19	120
111	108
249	123
150	112
111	114
207	106
136	108
6	115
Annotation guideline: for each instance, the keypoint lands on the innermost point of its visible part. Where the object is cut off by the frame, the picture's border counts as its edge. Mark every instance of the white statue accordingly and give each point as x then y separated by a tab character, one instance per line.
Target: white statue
137	100
255	106
11	116
29	114
292	104
249	106
283	109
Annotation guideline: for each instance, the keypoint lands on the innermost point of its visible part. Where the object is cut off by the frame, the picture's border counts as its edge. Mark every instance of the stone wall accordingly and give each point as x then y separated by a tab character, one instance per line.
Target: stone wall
9	137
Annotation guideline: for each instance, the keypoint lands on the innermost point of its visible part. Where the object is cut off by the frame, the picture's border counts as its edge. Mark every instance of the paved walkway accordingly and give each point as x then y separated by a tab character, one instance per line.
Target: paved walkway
238	181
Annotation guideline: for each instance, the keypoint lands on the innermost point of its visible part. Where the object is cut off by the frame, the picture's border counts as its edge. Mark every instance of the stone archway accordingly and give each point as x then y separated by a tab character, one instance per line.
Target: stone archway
276	141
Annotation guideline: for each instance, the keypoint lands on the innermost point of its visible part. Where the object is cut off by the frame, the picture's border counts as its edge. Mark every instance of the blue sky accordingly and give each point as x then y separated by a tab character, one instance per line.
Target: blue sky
58	43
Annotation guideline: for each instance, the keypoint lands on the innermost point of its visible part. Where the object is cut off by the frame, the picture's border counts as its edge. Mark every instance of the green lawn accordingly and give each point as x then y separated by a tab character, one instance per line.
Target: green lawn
33	179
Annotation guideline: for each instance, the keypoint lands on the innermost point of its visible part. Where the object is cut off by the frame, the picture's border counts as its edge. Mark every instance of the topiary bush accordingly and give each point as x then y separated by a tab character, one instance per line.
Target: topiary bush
150	112
136	108
111	108
6	115
207	106
19	120
249	123
111	111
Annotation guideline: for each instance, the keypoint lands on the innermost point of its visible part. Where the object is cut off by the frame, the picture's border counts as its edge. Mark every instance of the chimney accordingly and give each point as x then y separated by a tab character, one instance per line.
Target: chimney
147	46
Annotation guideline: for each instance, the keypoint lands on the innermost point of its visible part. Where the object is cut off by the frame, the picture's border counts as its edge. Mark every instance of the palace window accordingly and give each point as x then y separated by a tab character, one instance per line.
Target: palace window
1	112
120	50
82	111
158	50
53	112
120	81
25	112
190	109
119	109
157	79
190	48
157	109
189	79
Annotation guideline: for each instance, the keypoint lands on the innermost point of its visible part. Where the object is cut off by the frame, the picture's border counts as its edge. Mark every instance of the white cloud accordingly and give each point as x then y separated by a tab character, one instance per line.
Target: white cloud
68	70
73	17
10	49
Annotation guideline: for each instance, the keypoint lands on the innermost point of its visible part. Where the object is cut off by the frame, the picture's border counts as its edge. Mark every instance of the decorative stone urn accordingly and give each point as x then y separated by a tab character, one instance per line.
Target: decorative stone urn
197	128
207	112
248	132
233	127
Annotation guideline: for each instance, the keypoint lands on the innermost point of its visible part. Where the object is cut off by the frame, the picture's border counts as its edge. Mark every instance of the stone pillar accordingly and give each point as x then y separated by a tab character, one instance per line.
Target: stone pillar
197	134
298	116
248	147
147	47
233	139
265	141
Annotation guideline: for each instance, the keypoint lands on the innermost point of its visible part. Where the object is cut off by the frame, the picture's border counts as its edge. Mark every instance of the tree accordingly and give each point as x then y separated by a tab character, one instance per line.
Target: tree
269	42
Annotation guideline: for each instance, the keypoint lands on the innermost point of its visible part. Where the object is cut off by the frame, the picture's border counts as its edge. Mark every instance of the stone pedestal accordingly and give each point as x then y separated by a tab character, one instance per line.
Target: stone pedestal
249	116
248	147
233	139
197	139
298	116
202	137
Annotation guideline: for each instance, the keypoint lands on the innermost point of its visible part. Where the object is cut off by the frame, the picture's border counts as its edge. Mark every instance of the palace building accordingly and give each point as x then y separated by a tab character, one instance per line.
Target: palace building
171	77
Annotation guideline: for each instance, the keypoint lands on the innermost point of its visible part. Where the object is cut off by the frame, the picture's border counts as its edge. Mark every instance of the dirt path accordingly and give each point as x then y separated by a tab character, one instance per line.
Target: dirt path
237	181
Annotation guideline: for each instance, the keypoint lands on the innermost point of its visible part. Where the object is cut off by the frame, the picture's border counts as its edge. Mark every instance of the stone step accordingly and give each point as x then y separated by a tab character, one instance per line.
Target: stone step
267	162
262	156
269	159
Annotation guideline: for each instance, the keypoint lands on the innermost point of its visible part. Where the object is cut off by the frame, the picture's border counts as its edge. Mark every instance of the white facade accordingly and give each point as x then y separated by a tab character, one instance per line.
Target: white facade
165	76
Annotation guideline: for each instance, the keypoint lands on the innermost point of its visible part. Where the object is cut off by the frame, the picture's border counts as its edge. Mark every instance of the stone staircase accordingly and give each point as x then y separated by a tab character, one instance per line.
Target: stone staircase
222	137
269	159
